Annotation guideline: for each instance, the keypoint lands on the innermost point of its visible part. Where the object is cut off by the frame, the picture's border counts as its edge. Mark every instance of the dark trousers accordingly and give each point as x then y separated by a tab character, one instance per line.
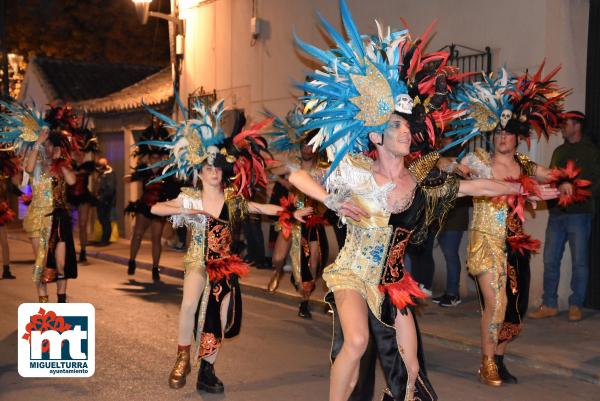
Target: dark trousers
449	243
256	242
421	261
103	212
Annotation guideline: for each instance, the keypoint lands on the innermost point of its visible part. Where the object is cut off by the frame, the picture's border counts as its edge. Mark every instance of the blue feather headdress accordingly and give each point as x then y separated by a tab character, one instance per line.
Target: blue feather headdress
358	87
20	126
482	106
194	142
289	133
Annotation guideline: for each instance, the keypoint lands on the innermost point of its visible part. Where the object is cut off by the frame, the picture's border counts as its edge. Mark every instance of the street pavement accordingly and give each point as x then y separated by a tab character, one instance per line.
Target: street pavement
276	357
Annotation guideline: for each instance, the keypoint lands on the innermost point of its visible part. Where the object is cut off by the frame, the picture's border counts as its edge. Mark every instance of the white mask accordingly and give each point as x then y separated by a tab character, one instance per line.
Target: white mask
404	104
212	151
504	117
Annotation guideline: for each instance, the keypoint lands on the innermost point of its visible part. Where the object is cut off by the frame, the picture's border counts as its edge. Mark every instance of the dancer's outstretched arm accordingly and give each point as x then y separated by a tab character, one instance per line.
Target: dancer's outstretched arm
491	188
171	207
272	210
306	183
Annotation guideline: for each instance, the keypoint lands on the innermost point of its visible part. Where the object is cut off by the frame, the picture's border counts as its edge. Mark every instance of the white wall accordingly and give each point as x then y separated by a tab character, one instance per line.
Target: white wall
219	53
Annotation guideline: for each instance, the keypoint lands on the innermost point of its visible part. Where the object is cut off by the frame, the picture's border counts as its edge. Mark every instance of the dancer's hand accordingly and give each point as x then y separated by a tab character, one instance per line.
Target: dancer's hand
300	214
350	209
566	189
546	192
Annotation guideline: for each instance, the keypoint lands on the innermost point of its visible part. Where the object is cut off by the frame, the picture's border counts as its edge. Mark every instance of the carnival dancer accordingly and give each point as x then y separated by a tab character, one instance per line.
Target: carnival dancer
153	191
223	173
48	162
388	205
79	195
305	243
499	250
9	174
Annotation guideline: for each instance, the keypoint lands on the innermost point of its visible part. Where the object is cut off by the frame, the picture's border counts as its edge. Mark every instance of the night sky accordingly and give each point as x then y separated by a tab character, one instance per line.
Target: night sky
90	30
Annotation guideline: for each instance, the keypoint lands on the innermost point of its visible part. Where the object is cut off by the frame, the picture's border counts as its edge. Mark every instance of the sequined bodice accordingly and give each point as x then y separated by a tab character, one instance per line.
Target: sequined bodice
376	243
42	192
211	237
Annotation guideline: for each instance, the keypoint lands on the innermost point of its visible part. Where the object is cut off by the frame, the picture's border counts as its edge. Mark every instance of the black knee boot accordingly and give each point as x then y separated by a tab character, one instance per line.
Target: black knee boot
131	267
155	273
6	274
503	372
207	380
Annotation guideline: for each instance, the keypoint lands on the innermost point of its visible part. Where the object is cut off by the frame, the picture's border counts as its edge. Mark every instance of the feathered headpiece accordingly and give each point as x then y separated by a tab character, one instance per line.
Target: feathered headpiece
358	88
363	81
289	134
482	106
154	132
514	104
62	118
84	138
201	140
20	125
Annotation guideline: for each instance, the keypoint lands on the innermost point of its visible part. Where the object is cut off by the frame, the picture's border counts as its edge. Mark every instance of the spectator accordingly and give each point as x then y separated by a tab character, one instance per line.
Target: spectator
106	198
449	239
572	223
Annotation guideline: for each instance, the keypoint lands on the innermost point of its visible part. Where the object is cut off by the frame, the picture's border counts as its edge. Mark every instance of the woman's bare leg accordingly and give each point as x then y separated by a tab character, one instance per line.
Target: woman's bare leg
60	253
42	289
353	312
488	345
313	264
193	286
157	229
141	224
406	336
280	253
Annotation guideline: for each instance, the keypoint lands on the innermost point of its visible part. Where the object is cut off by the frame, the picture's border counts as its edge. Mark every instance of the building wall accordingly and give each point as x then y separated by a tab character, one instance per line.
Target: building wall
32	89
219	54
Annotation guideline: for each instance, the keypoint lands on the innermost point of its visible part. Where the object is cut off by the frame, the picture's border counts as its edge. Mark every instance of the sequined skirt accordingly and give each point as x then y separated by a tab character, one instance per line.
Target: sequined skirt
37	218
485	253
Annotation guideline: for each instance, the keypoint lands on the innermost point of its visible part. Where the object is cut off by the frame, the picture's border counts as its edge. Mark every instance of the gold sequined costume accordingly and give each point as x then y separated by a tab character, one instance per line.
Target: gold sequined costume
38	221
371	262
486	250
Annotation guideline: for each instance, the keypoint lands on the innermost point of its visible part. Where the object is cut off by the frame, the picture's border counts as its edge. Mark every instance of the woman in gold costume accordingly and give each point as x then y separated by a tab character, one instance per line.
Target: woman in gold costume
498	252
48	222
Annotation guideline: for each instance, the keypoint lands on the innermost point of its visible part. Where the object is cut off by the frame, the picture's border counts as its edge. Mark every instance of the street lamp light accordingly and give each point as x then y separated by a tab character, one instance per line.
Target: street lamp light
176	39
142	8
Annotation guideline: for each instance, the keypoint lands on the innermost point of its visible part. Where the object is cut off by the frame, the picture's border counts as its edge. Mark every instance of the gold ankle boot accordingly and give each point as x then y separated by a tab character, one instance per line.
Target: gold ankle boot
43	299
488	372
274	282
181	369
